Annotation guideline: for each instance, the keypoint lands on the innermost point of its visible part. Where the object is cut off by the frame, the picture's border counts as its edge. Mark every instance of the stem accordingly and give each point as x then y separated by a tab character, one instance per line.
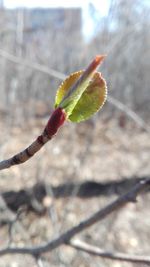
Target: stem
56	120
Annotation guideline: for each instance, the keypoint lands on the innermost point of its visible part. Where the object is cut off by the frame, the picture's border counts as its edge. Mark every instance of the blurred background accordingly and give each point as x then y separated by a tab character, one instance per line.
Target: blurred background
40	43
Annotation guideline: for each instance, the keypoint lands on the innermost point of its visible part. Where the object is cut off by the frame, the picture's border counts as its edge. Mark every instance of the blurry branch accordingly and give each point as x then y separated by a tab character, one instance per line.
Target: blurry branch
11	219
65	238
40	262
139	121
20	31
32	65
44	69
96	251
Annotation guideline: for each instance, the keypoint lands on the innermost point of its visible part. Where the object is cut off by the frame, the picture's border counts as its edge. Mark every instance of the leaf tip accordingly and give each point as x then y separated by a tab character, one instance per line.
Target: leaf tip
95	63
99	59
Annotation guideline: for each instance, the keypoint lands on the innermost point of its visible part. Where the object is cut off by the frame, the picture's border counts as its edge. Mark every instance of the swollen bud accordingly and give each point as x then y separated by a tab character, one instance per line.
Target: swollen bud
57	118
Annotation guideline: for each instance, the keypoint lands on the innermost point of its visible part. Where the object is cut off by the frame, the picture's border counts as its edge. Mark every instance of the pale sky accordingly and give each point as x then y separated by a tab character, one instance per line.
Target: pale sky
102	5
43	3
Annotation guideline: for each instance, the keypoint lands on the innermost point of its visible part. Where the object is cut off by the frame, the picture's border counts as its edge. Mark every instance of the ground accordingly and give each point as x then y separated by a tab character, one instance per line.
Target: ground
97	150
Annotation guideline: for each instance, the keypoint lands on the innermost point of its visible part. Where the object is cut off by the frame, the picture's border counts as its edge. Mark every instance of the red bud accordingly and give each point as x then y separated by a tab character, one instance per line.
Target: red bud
57	118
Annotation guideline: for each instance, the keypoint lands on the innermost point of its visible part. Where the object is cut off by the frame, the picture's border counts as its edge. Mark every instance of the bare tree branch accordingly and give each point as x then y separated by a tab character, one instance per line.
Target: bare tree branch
55	121
26	154
32	65
96	217
130	113
96	251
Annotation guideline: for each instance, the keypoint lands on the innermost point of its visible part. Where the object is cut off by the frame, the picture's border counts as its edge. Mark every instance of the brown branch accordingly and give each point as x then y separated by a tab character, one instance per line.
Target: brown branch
96	251
26	154
96	217
57	118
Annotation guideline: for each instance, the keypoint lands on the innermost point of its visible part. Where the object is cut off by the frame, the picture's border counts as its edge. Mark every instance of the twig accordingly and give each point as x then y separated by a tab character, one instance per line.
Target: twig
25	154
12	224
131	114
96	217
56	120
44	69
96	251
32	65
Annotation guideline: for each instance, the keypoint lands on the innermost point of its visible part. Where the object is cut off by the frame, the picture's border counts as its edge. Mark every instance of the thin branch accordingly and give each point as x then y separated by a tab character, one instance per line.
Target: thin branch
44	69
55	121
96	217
26	154
131	114
32	65
96	251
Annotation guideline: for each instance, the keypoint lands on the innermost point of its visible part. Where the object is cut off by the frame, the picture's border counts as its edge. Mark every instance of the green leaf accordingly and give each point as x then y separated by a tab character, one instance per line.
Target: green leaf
83	93
65	86
91	100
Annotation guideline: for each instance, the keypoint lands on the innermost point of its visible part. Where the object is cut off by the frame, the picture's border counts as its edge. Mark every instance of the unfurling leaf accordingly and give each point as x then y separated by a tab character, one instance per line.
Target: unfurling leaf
83	93
91	100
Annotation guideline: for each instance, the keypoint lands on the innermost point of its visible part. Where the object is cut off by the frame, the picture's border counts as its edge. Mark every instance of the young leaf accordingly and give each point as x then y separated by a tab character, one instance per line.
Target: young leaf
65	86
82	93
91	100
